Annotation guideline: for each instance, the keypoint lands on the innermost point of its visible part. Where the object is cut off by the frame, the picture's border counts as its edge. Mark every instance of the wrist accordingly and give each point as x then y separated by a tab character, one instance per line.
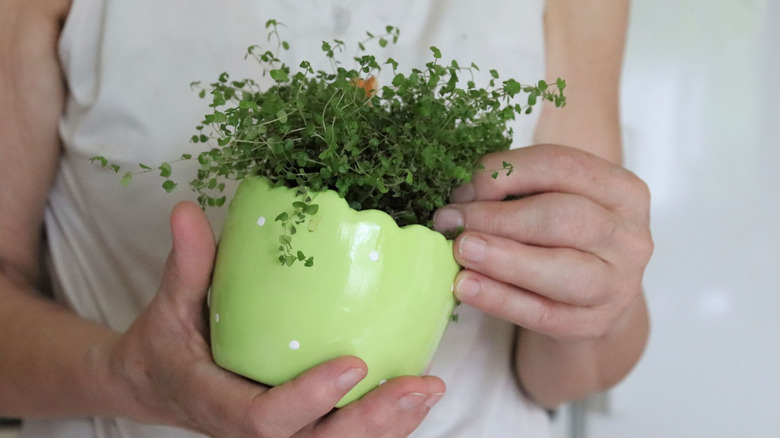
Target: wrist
106	391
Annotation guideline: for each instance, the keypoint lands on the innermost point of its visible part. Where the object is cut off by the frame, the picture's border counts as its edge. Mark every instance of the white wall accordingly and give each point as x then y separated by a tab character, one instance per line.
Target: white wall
700	104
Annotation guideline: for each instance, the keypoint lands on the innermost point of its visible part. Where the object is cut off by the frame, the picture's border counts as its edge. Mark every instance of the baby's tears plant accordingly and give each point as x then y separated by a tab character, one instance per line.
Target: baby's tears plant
400	148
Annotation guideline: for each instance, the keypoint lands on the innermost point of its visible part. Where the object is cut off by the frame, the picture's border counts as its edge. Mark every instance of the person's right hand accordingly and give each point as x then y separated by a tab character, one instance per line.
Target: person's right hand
161	370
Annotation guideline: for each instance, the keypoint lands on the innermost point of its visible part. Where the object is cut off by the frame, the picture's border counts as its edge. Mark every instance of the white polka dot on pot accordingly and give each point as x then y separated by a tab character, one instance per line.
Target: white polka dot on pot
261	221
373	256
294	345
216	317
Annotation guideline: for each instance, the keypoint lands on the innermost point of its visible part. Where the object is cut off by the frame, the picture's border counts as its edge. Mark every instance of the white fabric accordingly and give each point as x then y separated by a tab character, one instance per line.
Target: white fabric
128	65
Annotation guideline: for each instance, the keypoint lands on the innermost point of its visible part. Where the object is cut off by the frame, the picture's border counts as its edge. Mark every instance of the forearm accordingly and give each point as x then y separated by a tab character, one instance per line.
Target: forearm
48	361
584	43
553	371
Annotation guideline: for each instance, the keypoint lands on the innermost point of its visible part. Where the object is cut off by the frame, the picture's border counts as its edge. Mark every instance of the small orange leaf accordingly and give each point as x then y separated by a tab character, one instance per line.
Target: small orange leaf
369	85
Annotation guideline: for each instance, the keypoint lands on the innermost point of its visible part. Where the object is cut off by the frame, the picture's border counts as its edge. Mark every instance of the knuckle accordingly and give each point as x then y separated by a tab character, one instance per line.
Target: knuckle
494	301
639	246
260	421
641	189
639	193
376	418
563	160
594	330
321	396
587	289
578	278
258	425
546	319
644	249
568	216
485	216
500	302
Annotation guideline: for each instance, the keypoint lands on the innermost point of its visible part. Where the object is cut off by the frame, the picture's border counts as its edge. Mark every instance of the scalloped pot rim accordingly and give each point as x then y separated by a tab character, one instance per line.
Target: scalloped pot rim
368	215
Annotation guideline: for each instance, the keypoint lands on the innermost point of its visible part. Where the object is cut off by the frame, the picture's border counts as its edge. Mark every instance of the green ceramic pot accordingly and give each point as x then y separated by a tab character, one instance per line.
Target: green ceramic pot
376	291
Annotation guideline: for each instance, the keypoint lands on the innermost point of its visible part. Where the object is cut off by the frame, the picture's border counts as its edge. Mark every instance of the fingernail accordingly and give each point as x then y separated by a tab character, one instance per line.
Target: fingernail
464	193
467	288
412	400
351	377
433	399
472	248
447	219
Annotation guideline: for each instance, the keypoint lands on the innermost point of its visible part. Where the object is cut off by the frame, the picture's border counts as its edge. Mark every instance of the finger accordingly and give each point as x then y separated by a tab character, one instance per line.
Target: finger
560	274
554	168
286	409
188	269
394	409
524	308
547	219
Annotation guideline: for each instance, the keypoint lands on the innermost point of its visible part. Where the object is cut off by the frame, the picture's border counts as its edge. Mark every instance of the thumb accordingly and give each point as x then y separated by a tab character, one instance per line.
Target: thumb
188	269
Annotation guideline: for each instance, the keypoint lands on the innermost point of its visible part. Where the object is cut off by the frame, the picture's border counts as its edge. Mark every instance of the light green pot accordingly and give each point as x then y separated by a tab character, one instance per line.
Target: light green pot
376	291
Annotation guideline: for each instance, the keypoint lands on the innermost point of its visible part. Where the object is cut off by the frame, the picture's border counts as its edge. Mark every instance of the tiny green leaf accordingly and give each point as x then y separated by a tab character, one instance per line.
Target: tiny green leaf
218	117
279	75
102	160
393	63
165	170
314	222
126	179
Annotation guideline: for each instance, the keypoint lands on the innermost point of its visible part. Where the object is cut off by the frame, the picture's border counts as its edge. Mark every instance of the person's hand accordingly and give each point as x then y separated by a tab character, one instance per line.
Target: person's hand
566	255
161	370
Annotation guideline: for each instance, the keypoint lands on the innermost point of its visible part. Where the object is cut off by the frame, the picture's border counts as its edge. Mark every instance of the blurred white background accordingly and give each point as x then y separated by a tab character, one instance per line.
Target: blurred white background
701	119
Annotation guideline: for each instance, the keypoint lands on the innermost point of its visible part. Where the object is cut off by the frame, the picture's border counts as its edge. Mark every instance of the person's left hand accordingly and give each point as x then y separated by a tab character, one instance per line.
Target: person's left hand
566	256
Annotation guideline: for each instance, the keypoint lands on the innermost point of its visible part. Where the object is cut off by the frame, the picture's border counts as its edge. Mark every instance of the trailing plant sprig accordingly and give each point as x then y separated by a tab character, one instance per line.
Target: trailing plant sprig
399	148
290	222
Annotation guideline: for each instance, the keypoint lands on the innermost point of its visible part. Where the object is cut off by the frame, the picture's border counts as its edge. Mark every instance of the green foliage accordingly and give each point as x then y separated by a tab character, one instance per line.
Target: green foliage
290	223
400	149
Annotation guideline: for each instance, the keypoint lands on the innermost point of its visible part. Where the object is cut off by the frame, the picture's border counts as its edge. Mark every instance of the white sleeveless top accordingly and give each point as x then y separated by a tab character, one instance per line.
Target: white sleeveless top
128	65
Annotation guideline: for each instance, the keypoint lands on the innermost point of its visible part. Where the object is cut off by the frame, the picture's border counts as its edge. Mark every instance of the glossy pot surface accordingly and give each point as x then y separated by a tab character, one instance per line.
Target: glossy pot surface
376	291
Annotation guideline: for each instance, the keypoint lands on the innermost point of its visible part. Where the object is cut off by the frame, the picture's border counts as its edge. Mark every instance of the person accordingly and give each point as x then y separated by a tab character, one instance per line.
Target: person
552	285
